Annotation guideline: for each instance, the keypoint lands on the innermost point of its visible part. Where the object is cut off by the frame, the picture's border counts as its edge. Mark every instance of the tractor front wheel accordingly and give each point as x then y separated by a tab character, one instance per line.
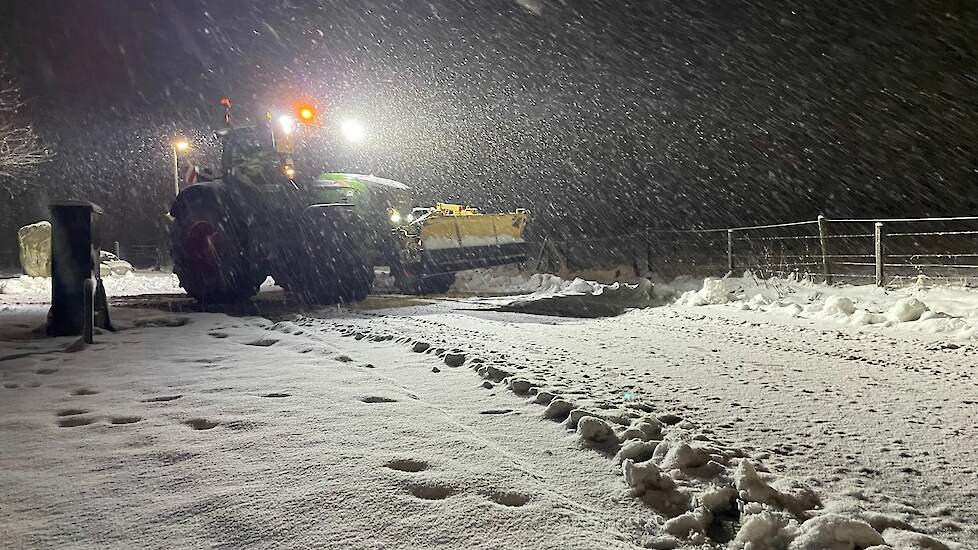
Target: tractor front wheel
210	257
325	263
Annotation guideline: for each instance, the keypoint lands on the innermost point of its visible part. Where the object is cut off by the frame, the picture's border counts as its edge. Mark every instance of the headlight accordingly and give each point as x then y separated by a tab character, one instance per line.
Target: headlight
395	216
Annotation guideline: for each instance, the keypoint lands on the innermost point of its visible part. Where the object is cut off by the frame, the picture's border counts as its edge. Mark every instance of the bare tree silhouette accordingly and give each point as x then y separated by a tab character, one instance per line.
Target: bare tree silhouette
20	149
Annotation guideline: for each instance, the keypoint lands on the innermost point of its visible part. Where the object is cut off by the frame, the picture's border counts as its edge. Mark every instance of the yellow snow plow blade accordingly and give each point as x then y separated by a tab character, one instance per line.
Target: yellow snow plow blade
453	226
454	238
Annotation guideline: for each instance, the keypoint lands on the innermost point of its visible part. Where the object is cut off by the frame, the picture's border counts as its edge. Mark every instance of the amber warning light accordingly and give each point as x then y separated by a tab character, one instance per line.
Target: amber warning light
307	113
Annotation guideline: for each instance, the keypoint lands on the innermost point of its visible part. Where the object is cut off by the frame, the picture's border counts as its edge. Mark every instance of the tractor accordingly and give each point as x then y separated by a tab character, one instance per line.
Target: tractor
321	237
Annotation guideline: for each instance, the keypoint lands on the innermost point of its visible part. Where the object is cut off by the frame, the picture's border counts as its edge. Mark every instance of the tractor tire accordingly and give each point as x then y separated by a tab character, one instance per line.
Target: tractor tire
326	264
210	256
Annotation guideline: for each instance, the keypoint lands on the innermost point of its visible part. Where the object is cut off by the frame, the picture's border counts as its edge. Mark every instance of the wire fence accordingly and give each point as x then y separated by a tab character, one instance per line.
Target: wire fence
881	251
141	256
888	251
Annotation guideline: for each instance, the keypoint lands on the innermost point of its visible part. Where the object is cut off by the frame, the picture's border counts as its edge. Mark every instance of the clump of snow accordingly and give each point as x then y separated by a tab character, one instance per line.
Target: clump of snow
835	531
643	429
646	481
765	530
714	292
838	305
690	525
645	476
636	451
902	539
596	433
558	409
906	310
752	488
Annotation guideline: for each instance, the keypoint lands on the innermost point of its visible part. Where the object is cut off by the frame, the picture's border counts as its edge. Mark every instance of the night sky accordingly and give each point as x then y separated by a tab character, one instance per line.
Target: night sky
599	116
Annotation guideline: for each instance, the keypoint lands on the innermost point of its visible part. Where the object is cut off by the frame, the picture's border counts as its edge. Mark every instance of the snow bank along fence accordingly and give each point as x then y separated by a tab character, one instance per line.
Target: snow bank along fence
885	251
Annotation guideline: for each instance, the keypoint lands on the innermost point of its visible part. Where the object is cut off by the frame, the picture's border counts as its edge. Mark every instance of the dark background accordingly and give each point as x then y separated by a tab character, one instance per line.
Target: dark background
600	117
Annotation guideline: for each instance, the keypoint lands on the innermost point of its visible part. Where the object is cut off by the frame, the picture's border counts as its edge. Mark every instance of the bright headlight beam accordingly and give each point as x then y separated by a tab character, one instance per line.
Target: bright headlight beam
287	124
352	130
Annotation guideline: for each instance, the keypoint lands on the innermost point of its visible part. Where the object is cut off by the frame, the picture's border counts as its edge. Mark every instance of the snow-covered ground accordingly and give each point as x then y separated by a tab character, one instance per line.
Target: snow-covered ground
27	289
880	426
206	430
729	419
38	289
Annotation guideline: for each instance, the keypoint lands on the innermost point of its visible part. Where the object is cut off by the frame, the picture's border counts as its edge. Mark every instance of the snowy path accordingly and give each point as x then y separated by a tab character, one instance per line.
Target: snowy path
884	419
210	431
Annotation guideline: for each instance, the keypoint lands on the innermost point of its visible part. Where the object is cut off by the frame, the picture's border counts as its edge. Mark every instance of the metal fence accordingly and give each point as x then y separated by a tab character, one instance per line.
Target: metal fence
882	251
142	256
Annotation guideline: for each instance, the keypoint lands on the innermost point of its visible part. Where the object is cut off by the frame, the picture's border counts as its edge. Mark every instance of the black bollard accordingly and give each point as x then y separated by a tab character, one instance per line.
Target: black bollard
78	301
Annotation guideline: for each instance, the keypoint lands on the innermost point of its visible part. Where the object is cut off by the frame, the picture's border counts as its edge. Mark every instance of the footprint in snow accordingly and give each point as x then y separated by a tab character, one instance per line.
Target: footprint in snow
277	395
118	420
46	370
496	411
407	465
162	398
431	491
262	342
75	421
84	391
377	399
71	412
200	423
509	498
216	334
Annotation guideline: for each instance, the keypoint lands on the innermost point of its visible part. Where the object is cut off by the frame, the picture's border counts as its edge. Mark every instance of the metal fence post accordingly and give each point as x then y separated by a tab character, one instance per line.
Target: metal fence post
648	254
536	266
880	253
117	249
823	239
730	257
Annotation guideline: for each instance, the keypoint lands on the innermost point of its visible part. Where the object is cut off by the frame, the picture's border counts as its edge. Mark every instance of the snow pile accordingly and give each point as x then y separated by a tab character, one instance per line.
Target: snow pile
548	294
496	280
25	284
510	279
939	310
580	298
714	292
130	284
